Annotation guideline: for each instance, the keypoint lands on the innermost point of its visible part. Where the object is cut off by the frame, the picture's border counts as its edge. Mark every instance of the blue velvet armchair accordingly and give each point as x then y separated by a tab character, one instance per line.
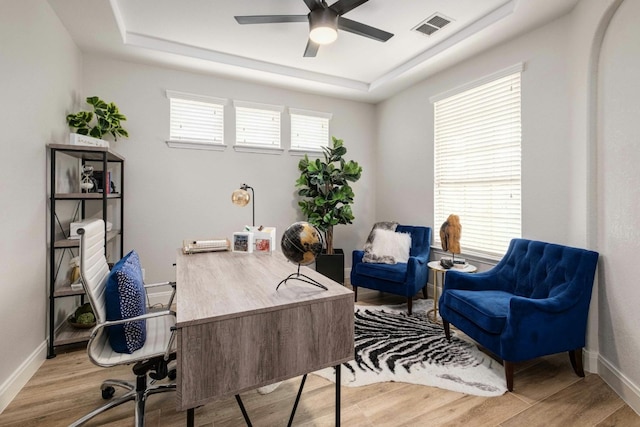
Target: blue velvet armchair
405	279
534	302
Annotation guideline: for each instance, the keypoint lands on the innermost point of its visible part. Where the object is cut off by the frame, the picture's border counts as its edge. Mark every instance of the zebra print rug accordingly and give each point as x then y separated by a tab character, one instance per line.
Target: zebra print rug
393	346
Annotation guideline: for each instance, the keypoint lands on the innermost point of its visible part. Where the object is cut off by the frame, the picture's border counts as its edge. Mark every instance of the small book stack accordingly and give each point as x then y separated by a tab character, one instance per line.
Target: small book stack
76	286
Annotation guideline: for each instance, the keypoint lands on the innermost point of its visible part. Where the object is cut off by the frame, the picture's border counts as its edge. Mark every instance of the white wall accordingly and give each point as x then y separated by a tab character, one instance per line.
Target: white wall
406	135
175	194
575	192
40	71
619	201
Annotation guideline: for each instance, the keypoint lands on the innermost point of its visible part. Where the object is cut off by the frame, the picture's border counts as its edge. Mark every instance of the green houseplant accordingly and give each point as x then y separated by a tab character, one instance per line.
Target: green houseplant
325	190
107	120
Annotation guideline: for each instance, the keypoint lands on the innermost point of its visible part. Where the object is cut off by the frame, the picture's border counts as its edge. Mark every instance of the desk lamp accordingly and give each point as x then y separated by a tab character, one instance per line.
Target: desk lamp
241	197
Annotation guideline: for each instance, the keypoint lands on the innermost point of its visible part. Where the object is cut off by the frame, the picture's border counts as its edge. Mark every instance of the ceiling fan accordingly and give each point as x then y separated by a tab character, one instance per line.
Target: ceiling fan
324	23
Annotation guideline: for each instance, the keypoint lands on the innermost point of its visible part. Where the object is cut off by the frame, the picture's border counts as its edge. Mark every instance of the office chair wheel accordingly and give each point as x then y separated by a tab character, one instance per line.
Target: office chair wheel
172	374
108	392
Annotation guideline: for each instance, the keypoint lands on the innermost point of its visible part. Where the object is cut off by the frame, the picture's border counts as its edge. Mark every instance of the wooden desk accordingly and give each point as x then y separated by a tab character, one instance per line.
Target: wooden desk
236	332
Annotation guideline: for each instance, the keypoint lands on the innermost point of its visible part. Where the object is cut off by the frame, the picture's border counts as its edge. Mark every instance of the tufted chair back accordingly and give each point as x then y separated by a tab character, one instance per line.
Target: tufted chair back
533	269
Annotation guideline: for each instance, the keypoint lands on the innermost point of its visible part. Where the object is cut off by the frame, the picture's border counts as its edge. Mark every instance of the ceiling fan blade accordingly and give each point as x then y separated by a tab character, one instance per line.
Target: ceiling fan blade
313	4
363	30
270	19
343	6
311	50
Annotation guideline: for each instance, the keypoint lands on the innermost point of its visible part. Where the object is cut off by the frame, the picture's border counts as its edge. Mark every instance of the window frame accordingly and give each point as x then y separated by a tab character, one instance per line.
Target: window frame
498	239
219	105
300	150
258	147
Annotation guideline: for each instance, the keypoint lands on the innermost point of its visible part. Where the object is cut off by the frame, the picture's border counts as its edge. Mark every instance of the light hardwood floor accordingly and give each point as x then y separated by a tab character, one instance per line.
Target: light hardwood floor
547	393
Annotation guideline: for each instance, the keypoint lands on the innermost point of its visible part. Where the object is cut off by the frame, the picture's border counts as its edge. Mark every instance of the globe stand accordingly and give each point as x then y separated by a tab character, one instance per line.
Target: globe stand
303	278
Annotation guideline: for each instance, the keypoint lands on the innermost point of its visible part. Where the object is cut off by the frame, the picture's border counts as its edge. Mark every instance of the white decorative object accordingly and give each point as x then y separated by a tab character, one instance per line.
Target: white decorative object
77	139
264	238
388	243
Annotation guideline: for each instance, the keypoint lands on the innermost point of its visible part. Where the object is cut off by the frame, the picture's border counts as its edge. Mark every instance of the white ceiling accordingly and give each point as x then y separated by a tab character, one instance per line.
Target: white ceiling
202	35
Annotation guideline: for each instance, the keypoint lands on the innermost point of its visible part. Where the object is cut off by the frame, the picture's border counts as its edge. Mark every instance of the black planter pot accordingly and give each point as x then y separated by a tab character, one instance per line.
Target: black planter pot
331	266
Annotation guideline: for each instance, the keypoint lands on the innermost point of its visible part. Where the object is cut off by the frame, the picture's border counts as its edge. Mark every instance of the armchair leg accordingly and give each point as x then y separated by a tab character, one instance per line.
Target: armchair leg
576	361
409	304
355	293
424	292
447	329
508	373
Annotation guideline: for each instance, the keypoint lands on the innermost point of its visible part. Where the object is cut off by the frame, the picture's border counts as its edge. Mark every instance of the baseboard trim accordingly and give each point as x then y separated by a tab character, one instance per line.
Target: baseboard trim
590	360
12	386
623	386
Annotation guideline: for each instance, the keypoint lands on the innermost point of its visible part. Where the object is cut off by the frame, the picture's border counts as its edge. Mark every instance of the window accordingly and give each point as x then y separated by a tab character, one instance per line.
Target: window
258	125
477	155
196	121
309	130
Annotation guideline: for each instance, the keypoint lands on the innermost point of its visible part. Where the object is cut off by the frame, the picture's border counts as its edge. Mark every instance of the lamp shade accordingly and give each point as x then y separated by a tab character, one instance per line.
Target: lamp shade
323	26
240	197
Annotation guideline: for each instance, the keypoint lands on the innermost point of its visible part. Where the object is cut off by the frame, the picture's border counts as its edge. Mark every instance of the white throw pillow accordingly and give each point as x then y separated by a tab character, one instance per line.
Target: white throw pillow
390	243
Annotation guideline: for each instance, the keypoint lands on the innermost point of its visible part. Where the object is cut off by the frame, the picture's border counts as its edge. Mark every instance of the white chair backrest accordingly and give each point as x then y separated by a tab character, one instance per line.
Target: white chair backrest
94	269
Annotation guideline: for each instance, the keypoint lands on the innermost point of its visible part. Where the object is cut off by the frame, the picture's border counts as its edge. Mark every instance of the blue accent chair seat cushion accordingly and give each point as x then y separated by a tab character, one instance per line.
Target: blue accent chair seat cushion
534	302
403	278
125	298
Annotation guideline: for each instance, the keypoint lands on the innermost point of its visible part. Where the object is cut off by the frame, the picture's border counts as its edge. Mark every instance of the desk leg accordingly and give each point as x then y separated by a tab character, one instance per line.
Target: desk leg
190	417
338	381
243	410
295	405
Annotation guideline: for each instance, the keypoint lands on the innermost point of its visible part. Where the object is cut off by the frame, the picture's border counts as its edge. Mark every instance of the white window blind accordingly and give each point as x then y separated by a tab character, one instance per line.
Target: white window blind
258	125
309	130
477	156
196	119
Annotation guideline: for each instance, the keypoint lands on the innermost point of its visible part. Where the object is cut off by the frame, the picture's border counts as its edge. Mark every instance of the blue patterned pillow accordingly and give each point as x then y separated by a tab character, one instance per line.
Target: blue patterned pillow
125	298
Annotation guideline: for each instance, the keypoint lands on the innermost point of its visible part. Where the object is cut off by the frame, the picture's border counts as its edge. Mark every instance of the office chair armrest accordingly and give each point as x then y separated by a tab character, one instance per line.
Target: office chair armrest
154	285
134	319
173	292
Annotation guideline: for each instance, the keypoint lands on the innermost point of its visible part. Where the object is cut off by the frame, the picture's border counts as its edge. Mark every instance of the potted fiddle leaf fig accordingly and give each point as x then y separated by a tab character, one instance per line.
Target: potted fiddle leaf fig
105	119
326	199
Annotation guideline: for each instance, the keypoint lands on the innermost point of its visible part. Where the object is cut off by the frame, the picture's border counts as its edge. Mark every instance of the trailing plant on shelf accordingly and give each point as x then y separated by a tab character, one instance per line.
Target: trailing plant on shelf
325	190
107	120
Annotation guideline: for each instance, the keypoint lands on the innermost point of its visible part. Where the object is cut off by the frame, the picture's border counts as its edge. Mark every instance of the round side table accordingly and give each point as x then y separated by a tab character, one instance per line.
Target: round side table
440	271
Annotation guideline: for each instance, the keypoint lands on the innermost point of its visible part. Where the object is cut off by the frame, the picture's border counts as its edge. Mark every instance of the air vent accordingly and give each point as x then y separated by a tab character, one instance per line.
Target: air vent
432	24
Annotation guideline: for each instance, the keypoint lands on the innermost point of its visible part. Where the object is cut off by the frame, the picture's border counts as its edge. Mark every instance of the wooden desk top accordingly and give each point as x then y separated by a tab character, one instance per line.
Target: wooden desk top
236	332
214	276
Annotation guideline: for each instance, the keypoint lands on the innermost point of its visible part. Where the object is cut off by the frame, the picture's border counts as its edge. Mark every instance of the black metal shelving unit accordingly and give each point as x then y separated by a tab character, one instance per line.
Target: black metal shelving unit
65	334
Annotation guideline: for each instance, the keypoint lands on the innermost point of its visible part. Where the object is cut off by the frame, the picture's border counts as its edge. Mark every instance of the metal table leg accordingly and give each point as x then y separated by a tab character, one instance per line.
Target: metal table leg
337	367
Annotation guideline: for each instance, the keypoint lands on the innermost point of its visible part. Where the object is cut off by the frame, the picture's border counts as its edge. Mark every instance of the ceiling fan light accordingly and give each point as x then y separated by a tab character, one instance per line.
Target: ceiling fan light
323	35
323	24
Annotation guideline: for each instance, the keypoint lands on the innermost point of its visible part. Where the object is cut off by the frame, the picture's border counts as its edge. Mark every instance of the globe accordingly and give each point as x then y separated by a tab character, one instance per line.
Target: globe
301	243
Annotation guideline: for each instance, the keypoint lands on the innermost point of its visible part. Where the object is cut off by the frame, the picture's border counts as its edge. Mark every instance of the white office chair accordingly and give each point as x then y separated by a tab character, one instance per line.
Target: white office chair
158	350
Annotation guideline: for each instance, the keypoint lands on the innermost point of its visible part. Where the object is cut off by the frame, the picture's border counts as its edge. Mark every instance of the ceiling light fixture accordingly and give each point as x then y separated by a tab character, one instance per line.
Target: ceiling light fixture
323	25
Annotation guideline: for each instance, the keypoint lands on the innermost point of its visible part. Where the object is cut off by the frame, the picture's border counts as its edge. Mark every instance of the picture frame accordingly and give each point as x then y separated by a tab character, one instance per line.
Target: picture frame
263	245
264	238
242	242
